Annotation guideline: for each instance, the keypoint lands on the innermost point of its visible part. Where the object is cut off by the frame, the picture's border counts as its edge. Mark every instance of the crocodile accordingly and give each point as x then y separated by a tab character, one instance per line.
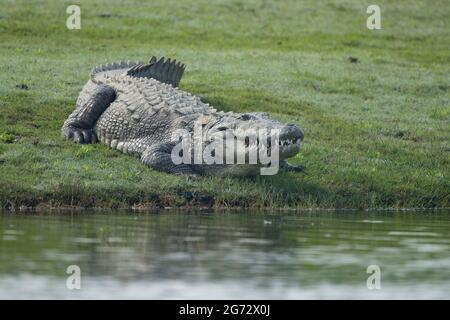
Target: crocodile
136	108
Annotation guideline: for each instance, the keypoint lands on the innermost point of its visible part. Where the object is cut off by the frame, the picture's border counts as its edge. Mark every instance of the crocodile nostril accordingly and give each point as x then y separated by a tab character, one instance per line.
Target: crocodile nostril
291	131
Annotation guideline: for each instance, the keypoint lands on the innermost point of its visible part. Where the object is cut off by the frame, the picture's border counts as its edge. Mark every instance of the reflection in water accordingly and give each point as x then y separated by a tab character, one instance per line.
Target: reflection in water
225	255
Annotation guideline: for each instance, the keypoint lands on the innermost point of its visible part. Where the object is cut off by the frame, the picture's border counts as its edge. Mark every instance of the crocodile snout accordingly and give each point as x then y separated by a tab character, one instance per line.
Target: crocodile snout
291	132
290	140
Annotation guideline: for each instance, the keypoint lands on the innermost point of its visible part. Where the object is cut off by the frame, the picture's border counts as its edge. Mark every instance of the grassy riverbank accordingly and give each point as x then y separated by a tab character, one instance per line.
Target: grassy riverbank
377	125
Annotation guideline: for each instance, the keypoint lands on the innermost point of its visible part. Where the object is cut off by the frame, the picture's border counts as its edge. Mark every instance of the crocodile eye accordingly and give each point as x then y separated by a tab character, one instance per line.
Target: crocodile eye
245	117
222	128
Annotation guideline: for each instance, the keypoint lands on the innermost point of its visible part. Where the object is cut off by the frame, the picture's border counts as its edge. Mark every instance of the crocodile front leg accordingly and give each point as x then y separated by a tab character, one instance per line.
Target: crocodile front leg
79	126
159	158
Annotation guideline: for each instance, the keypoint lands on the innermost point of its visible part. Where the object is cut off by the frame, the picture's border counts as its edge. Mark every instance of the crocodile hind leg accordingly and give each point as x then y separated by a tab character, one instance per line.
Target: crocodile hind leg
159	158
79	126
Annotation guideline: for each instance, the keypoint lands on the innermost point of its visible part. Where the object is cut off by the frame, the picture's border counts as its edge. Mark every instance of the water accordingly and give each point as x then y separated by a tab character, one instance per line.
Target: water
234	255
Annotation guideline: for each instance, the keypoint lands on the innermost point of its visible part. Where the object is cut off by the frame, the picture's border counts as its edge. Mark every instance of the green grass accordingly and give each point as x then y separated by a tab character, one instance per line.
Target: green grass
377	132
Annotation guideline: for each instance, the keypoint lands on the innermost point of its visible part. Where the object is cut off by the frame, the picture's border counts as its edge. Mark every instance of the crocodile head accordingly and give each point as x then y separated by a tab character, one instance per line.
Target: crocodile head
246	128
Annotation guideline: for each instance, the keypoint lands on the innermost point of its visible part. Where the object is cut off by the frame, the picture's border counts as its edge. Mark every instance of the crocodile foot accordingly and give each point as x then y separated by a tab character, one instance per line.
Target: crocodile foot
79	135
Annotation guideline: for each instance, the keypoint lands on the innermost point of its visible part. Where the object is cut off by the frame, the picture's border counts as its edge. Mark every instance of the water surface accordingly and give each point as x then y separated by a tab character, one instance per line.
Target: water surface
244	255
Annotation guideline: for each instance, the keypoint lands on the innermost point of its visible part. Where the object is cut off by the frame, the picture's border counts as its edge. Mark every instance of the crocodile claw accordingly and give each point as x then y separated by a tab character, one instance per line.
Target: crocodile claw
80	135
294	168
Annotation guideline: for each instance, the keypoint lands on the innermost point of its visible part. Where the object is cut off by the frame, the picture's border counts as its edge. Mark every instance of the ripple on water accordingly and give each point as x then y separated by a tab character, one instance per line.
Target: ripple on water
413	234
372	221
86	240
9	238
13	232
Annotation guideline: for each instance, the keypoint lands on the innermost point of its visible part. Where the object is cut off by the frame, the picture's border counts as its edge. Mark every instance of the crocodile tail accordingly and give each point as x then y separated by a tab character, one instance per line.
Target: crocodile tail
165	71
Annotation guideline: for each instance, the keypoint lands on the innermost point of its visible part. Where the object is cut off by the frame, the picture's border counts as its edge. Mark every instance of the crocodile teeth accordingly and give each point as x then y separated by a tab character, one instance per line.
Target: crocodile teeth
287	142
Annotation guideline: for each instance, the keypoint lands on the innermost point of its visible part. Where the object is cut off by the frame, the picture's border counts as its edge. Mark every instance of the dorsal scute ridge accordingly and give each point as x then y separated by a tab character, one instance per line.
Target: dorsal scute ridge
114	66
166	71
150	95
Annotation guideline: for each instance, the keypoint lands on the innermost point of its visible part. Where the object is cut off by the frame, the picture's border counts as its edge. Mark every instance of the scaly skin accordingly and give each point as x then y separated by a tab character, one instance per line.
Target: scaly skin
135	108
